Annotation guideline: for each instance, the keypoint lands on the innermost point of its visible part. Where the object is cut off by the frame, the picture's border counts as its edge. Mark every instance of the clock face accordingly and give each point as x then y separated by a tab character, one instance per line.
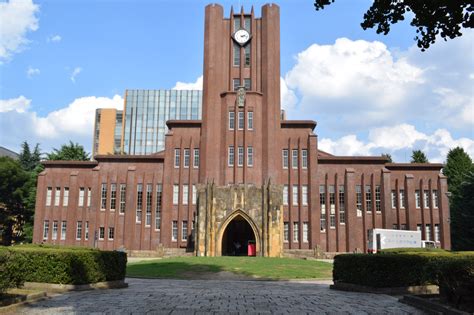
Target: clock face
241	36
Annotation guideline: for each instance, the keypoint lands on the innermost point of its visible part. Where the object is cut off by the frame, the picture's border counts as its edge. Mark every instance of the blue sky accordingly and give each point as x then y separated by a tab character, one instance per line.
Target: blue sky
369	93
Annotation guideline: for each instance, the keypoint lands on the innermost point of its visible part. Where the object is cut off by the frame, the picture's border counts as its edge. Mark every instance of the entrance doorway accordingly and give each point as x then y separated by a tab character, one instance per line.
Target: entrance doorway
236	237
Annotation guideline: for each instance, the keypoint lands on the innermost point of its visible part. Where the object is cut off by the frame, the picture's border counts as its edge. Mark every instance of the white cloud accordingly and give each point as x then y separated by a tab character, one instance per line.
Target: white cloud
189	86
74	73
32	71
17	18
288	97
19	104
54	38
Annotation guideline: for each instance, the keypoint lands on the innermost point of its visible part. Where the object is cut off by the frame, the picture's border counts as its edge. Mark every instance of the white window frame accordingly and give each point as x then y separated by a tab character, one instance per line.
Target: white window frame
82	191
184	230
89	196
185	194
304	159
285	195
49	196
435	200
241	120
101	233
63	230
54	235
304	195
174	231
78	230
296	232
285	158
231	120
305	232
286	232
57	196
196	158
86	231
250	156
294	194
402	198
294	158
240	156
187	158
426	199
139	207
113	197
45	229
65	196
111	230
231	156
177	157
123	196
417	199
175	194
393	198
194	197
103	197
250	120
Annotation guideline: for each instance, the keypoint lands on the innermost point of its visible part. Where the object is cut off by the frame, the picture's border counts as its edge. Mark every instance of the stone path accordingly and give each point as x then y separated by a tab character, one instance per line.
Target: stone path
219	297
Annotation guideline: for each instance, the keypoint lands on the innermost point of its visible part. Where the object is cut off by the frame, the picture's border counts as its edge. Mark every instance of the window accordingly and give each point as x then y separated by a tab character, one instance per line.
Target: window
403	227
49	193
66	197
81	197
428	232
113	197
304	195
250	156
184	230
248	84
285	195
175	194
394	199
250	120
187	157
378	202
359	200
111	233
159	195
394	226
296	231
236	84
55	230
342	205
79	230
437	235
241	120
417	199
86	232
101	233
247	22
194	196
305	232
295	195
332	206
174	231
230	161
236	55
435	199
196	158
285	232
45	229
231	120
285	158
138	214
426	199
89	195
177	157
63	230
57	195
304	158
122	198
247	57
294	156
368	198
149	191
185	194
418	227
402	198
103	197
322	206
240	160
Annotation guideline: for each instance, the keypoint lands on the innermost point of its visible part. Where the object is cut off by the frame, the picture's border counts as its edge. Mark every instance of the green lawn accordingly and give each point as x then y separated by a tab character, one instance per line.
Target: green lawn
257	267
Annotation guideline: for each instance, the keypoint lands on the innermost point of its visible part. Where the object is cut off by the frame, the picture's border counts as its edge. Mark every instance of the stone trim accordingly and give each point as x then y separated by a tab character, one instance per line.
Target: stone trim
57	287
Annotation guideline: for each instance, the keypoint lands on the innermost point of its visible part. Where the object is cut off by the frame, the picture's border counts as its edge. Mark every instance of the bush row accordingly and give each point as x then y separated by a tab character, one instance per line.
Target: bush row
59	265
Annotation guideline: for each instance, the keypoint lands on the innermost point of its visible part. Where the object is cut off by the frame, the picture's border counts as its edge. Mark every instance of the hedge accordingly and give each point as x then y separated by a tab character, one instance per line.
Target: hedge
60	265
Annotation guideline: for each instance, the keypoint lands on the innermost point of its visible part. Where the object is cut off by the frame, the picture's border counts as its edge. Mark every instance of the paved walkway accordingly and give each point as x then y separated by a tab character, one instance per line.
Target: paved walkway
224	297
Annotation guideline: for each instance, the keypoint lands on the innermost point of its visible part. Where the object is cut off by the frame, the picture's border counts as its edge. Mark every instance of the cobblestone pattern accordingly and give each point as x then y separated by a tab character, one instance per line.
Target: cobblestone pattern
218	297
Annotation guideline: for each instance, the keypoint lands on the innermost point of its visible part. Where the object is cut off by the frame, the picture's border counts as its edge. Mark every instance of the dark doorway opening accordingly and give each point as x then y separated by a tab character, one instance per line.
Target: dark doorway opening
236	237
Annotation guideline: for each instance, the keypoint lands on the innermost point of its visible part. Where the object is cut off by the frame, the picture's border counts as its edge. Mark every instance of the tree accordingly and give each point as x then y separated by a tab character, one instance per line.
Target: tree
458	165
388	156
29	160
418	157
430	18
462	215
71	152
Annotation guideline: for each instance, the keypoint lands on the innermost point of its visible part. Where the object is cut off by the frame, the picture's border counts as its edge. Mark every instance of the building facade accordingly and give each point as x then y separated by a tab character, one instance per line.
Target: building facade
241	173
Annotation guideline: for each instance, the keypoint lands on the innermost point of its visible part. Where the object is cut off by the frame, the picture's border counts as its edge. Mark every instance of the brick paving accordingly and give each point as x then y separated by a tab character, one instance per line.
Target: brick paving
219	297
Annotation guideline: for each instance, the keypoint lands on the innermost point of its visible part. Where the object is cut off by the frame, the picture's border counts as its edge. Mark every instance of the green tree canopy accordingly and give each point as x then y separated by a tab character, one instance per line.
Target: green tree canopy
430	18
418	157
462	215
458	165
29	160
388	156
71	152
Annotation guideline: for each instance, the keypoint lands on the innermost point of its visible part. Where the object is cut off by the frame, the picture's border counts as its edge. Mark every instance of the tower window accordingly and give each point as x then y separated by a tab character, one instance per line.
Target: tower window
236	55
236	84
248	84
247	55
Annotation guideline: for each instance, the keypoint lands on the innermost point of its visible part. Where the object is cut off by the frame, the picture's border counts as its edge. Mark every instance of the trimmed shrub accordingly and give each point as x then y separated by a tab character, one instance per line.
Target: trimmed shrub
10	272
456	280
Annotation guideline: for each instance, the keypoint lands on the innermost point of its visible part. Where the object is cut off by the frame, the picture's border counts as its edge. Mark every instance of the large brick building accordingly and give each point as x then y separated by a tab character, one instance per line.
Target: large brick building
243	172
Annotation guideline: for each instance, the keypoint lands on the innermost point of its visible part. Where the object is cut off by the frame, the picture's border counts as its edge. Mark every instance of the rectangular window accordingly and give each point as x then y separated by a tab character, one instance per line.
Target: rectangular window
196	158
194	197
394	199
231	120
138	214
174	231
240	160
241	120
184	230
63	230
378	200
177	157
426	199
230	161
113	197
403	227
49	193
296	231
295	195
322	206
368	198
285	158
236	84
437	235
342	205
250	156
304	158
175	194
332	206
394	226
248	84
101	233
103	197
122	198
66	197
159	195
111	233
185	194
149	192
81	197
247	23
304	195
294	155
236	55
89	195
402	198
187	157
435	199
359	200
285	232
250	120
79	230
55	230
417	199
57	196
428	232
45	229
86	232
305	232
247	56
285	195
418	227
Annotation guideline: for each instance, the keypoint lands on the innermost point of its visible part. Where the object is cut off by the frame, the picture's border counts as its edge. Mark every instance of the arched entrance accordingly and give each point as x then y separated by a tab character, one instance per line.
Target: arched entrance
236	236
